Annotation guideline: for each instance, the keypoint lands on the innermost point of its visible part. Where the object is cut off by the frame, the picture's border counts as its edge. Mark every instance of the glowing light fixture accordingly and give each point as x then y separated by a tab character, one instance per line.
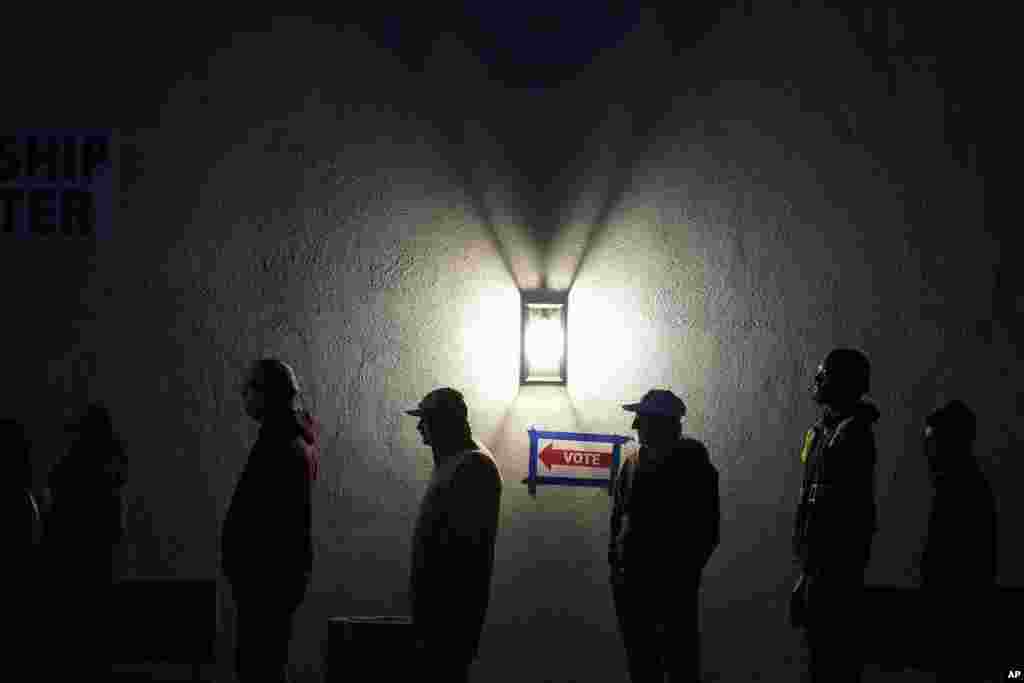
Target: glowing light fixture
544	342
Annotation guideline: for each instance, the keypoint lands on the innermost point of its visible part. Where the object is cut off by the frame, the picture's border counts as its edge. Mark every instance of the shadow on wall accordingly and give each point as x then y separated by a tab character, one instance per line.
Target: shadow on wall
498	196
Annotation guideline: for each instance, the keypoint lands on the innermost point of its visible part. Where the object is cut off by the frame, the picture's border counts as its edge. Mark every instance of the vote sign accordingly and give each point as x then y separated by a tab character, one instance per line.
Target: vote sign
573	458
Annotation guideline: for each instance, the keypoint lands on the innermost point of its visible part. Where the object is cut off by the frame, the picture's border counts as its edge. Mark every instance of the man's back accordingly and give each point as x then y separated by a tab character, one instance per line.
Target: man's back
269	519
677	494
960	553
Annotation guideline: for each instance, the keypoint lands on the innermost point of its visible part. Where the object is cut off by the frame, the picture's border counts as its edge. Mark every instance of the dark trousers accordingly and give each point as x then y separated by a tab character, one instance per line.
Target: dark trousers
957	619
70	628
659	628
440	664
834	630
263	633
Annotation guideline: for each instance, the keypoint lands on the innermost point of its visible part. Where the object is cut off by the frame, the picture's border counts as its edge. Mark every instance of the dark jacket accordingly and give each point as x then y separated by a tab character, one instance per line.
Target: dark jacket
666	510
960	553
267	530
85	521
453	552
836	514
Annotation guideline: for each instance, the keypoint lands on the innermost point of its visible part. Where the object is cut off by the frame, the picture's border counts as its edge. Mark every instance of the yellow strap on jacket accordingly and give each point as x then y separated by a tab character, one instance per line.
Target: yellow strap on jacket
808	444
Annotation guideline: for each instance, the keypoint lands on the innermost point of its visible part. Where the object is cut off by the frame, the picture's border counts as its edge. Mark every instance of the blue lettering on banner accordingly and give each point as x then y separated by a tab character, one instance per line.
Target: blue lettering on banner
57	183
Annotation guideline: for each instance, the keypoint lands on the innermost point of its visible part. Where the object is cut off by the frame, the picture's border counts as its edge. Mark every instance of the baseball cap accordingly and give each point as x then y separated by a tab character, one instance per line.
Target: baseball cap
658	402
444	401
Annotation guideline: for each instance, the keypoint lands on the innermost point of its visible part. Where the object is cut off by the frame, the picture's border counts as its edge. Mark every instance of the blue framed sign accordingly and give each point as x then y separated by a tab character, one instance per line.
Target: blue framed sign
57	183
573	459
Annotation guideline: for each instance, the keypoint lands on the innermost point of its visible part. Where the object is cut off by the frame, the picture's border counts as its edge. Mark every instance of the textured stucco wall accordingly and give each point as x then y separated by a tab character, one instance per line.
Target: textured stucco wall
327	225
789	200
301	193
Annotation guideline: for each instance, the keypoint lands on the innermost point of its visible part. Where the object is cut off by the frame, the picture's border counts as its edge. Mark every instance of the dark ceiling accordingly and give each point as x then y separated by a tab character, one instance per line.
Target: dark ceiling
527	44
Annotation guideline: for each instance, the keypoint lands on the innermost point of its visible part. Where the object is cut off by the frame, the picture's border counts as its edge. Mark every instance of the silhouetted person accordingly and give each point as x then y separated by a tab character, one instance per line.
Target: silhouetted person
22	519
82	529
836	517
958	566
665	525
453	540
266	547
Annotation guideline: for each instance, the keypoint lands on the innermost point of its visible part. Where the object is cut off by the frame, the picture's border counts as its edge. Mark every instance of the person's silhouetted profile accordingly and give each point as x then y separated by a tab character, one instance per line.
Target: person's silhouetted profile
82	529
836	518
665	524
958	566
266	546
453	540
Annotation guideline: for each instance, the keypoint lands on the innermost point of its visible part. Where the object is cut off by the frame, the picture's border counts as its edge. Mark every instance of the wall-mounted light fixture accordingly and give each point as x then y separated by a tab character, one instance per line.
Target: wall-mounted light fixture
544	339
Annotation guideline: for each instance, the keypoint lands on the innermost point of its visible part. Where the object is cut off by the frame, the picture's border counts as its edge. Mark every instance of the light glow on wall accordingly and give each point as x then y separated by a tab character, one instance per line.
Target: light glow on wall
606	351
491	340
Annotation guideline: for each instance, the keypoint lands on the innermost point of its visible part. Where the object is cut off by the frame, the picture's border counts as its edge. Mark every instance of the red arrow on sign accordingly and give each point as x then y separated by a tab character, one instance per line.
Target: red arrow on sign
570	458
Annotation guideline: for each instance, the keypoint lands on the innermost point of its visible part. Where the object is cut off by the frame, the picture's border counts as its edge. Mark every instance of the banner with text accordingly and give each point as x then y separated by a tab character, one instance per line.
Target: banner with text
57	184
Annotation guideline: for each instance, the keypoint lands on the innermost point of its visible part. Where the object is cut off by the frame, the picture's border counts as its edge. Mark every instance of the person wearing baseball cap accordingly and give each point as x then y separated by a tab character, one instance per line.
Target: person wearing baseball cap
446	410
665	504
453	539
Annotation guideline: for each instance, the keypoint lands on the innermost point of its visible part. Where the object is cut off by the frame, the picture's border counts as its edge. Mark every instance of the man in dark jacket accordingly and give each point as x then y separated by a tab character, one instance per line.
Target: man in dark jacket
267	551
835	518
958	566
665	505
453	540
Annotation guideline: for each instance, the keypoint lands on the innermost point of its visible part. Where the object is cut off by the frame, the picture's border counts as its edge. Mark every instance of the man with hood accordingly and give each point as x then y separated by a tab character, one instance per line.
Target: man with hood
665	505
266	546
958	565
835	517
453	540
